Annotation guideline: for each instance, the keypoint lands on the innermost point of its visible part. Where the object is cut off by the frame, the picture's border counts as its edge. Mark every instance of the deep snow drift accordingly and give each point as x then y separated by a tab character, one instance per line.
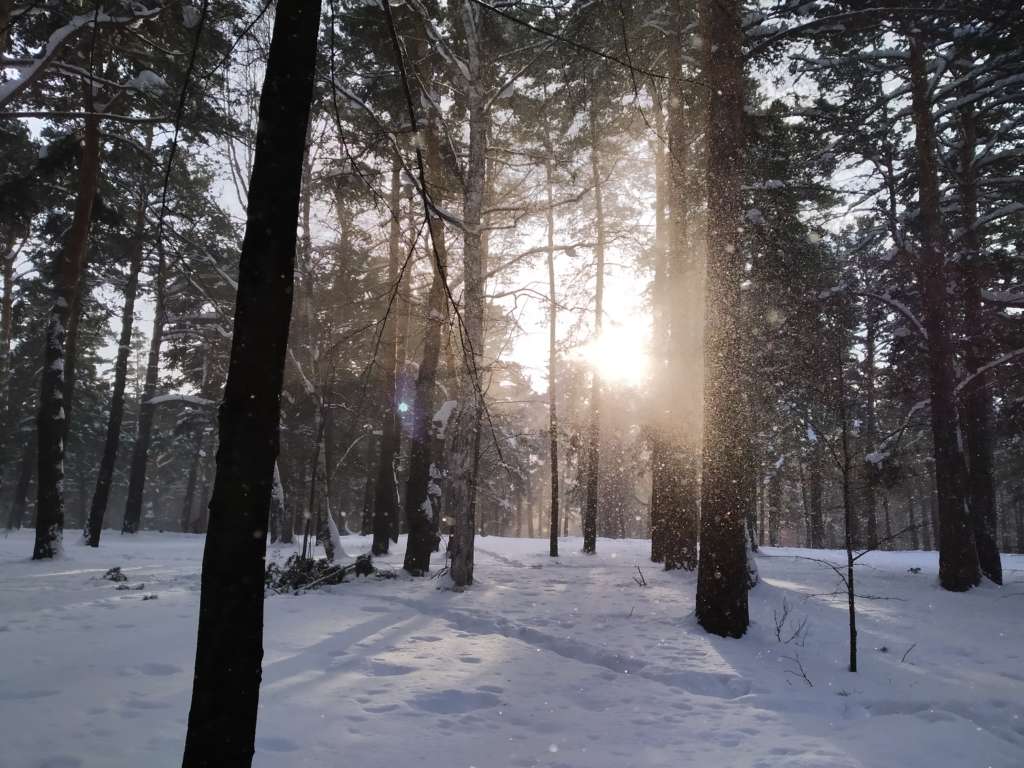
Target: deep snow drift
542	663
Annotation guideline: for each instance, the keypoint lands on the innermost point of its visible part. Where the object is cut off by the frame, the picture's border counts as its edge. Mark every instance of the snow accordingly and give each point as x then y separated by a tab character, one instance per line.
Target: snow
543	662
147	81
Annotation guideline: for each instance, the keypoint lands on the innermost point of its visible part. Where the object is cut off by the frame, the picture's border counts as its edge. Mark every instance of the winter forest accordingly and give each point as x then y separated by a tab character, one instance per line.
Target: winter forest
512	383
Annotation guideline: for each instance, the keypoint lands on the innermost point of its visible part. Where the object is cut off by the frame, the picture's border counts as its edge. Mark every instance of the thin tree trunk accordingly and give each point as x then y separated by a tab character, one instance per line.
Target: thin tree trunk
52	417
147	409
775	505
112	441
593	454
815	494
976	407
225	693
552	355
190	497
722	577
915	540
870	429
385	502
661	473
958	555
25	471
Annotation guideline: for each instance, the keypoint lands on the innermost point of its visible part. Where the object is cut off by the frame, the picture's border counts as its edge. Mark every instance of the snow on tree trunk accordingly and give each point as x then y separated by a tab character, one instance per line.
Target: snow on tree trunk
466	446
51	420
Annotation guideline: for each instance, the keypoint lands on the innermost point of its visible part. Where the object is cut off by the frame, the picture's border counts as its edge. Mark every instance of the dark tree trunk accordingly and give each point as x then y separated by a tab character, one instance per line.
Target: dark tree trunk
593	454
422	486
112	441
6	329
552	355
147	409
189	502
976	403
722	572
385	497
52	417
225	693
775	506
815	493
958	555
25	470
870	431
915	536
661	473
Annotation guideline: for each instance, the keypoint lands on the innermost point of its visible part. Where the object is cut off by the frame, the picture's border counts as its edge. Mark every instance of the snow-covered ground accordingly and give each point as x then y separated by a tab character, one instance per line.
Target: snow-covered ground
543	663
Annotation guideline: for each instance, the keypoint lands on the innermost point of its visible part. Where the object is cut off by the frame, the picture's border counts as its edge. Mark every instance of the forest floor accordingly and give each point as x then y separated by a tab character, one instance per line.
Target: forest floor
558	663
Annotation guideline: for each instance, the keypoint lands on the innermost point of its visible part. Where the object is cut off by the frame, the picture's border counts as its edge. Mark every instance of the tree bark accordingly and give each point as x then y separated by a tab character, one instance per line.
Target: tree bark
25	471
225	694
552	355
385	501
593	455
870	430
52	417
465	454
661	473
958	556
722	570
423	481
112	441
976	403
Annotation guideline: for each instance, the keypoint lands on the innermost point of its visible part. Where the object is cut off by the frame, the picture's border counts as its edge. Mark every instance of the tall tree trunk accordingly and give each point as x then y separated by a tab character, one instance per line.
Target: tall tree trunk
681	514
225	693
9	253
976	403
870	430
5	23
112	441
958	555
848	511
722	571
423	481
465	455
915	540
775	505
147	409
189	503
661	473
19	502
593	451
52	418
385	501
815	493
552	354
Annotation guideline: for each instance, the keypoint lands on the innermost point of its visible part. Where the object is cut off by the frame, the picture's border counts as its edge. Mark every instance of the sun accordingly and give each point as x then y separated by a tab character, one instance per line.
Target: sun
620	355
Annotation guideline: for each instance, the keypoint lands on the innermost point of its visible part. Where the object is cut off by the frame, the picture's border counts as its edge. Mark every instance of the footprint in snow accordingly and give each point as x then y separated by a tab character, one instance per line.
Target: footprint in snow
158	670
275	744
453	702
